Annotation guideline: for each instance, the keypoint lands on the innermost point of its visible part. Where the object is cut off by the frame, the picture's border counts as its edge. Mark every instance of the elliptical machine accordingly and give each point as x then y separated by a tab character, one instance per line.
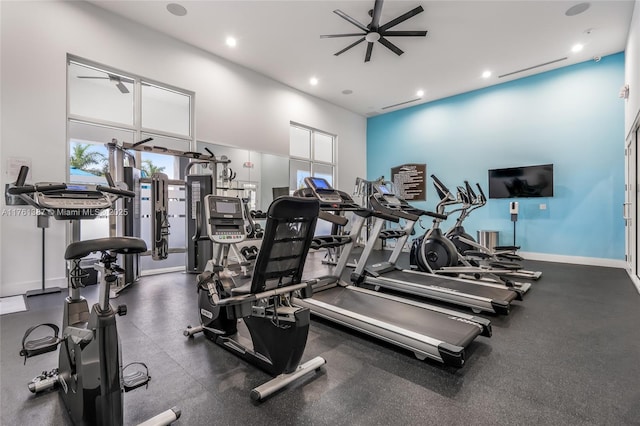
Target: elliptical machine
89	371
277	328
501	257
457	234
435	253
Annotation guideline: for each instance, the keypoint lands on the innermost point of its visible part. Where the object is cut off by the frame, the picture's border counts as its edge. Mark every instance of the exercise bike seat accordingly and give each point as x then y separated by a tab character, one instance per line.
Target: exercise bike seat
120	245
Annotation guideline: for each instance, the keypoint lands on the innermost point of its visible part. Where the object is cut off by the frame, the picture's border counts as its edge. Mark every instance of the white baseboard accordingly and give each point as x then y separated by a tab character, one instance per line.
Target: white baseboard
162	271
16	288
576	260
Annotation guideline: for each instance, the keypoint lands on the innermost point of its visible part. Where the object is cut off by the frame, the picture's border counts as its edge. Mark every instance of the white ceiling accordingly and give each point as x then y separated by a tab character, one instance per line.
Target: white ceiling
281	39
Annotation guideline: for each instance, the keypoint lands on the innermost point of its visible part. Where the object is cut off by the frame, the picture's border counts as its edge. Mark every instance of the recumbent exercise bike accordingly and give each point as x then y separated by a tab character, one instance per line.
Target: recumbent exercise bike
278	329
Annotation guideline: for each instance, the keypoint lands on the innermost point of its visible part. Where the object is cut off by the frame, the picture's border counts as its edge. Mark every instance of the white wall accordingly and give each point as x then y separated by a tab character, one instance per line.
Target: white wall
632	69
234	106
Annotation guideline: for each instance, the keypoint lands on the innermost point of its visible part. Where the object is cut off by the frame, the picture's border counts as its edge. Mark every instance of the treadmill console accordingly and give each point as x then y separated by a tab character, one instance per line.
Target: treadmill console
225	219
384	193
77	201
322	190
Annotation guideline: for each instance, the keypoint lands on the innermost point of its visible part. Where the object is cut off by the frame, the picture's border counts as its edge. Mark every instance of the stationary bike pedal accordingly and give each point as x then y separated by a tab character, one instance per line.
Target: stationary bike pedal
40	345
136	378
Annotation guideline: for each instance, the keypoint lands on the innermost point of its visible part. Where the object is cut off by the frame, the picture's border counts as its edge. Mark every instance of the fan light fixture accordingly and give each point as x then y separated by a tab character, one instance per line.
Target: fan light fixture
374	32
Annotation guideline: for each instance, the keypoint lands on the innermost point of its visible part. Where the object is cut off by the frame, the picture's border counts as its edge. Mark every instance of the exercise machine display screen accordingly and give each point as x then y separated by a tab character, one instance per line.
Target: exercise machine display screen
383	190
323	190
390	198
77	187
226	207
225	219
320	183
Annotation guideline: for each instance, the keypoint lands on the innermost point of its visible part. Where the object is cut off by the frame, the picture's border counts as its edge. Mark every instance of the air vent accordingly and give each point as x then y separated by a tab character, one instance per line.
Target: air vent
401	103
533	67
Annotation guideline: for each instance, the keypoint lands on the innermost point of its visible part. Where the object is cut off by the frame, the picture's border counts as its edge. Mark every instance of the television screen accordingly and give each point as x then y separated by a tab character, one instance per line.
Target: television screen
521	182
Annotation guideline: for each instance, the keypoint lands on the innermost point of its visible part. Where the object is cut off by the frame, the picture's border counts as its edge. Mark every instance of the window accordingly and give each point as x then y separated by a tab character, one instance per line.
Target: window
311	154
106	104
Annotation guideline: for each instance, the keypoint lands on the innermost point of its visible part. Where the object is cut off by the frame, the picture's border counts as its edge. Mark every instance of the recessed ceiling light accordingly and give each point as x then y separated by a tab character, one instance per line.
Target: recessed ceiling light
577	9
231	42
576	48
347	91
486	74
420	93
176	9
313	81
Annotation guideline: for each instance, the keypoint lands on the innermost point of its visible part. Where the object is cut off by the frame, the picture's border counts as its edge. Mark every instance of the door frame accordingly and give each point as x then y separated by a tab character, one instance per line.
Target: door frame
630	206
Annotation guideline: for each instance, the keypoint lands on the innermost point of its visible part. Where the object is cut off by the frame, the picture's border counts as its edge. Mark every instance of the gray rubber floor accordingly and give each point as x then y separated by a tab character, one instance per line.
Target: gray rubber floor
568	354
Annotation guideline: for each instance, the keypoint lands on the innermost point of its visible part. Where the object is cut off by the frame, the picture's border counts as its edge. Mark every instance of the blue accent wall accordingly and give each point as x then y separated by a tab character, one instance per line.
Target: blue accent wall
571	117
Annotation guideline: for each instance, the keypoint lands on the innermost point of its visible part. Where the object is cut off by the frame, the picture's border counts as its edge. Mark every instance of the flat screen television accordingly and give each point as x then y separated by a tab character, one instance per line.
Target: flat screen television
521	182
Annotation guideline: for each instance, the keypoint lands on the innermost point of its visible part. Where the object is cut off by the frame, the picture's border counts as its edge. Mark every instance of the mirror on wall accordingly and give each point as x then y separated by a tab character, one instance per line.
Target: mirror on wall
254	176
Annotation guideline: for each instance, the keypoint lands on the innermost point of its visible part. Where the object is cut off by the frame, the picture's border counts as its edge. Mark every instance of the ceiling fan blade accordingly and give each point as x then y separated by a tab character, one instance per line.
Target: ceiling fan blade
123	89
401	18
367	57
350	19
404	33
386	43
349	46
375	18
114	77
341	35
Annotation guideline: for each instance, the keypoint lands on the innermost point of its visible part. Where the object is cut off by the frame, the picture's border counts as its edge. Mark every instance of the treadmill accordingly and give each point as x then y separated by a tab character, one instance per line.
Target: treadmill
428	331
479	296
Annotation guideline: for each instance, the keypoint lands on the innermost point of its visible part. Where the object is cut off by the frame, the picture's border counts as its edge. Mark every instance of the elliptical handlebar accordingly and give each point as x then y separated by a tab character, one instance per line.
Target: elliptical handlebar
440	186
482	197
472	194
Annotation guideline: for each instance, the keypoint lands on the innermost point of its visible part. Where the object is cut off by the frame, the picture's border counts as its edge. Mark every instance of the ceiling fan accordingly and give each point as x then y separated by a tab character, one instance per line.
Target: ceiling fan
113	78
376	32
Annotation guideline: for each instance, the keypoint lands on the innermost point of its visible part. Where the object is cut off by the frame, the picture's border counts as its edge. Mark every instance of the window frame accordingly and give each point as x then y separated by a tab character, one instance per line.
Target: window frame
312	150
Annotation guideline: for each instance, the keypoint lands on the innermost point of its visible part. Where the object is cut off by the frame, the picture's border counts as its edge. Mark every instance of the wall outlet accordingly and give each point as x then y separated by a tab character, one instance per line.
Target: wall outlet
543	206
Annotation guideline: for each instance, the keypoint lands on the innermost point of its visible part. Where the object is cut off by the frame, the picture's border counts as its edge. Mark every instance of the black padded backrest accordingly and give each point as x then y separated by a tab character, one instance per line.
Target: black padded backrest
291	222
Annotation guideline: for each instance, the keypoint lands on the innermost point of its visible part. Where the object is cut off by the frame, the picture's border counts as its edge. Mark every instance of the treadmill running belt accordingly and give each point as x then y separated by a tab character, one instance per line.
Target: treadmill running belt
493	293
455	331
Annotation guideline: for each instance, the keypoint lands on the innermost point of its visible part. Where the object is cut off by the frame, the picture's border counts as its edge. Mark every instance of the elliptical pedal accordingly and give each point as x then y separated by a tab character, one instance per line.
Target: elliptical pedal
137	378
